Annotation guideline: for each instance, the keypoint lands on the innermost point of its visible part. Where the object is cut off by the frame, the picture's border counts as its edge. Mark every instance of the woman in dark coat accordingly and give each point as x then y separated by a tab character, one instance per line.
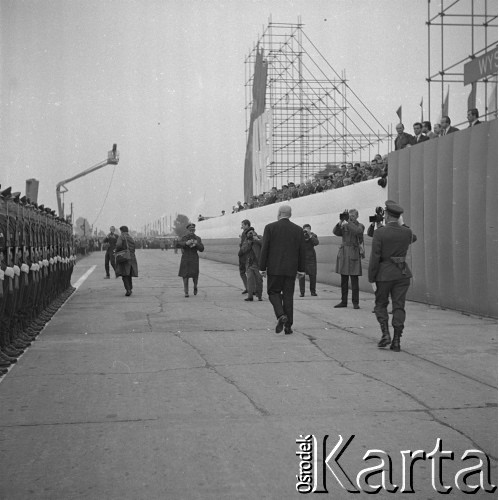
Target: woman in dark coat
128	269
190	244
348	262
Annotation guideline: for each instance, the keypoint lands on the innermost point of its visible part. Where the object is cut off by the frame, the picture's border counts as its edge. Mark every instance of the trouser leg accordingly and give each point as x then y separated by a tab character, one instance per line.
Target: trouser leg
381	296
242	273
398	293
274	289
313	282
344	288
186	285
106	263
355	290
301	284
288	291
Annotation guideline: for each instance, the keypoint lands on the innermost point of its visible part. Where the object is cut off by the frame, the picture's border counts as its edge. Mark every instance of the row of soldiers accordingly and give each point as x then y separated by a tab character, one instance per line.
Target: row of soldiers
36	263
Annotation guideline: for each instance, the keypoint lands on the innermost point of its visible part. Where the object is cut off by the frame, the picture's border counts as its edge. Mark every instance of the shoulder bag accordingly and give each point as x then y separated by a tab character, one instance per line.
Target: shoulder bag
123	256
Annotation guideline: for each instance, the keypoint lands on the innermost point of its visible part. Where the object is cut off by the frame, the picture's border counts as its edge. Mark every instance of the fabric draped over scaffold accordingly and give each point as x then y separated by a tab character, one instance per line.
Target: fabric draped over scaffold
258	107
262	150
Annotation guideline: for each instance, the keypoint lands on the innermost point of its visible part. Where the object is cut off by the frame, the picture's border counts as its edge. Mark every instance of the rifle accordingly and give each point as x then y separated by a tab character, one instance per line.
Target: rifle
8	255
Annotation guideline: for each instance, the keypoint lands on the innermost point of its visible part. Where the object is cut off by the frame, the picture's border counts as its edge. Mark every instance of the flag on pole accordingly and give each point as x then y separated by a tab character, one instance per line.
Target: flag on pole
421	106
472	97
445	105
399	113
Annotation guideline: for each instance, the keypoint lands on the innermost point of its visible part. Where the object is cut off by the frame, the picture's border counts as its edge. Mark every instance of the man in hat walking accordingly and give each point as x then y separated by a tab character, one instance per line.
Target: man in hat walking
282	257
389	270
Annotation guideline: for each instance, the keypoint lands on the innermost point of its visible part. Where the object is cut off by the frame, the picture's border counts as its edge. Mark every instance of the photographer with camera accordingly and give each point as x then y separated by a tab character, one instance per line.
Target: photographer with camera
252	248
245	226
190	244
311	241
376	221
348	261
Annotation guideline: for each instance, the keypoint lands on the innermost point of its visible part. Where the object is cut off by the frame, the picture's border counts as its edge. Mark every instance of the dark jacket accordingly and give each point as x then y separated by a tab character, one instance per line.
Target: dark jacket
130	267
403	141
391	240
189	263
348	260
422	138
252	249
111	240
283	249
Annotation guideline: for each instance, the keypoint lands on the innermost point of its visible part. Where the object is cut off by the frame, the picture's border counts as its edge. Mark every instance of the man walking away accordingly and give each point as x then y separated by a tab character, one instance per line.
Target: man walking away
282	257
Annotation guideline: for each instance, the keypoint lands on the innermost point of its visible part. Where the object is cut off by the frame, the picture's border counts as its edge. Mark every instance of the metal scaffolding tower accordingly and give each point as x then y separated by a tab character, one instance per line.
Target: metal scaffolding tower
316	118
470	25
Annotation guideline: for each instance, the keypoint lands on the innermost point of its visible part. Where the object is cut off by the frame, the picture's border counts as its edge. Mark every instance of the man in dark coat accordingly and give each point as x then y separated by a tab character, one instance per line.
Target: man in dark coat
190	244
311	241
403	139
282	258
129	269
388	269
243	255
252	248
446	126
348	261
110	242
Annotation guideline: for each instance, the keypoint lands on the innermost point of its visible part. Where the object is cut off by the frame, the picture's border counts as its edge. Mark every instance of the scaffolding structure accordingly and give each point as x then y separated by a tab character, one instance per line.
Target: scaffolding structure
479	36
317	120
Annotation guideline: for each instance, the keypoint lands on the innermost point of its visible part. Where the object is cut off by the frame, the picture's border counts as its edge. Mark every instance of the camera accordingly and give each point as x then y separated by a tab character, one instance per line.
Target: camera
344	216
379	215
306	234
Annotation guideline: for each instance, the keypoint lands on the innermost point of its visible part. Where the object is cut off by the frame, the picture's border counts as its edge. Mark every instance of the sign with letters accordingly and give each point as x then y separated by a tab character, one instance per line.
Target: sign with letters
481	67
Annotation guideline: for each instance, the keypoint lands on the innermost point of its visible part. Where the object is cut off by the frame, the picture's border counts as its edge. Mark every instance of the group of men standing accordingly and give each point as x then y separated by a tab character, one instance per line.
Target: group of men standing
282	255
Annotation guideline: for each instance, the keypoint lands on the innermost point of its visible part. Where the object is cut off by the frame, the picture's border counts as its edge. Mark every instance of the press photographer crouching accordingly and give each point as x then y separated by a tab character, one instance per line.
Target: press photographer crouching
311	241
348	261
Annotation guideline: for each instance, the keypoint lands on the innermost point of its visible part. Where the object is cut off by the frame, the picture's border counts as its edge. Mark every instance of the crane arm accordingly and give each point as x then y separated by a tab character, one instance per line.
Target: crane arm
113	158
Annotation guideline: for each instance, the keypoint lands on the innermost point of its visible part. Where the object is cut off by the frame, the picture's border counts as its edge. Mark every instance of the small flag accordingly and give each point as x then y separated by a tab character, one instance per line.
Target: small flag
445	105
421	106
399	113
472	97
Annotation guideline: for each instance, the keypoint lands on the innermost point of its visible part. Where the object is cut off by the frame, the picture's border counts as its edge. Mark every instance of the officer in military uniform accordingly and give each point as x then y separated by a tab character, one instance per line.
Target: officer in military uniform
389	270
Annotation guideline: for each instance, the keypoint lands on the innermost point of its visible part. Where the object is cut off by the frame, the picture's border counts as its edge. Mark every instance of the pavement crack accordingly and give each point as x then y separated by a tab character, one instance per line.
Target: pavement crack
212	368
407	394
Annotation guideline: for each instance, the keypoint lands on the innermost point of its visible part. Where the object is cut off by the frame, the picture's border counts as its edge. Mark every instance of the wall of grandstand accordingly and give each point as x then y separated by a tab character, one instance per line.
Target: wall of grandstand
449	189
221	234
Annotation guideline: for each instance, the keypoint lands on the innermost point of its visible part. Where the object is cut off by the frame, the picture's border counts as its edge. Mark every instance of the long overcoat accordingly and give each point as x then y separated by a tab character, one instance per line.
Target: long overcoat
189	263
124	268
348	260
310	256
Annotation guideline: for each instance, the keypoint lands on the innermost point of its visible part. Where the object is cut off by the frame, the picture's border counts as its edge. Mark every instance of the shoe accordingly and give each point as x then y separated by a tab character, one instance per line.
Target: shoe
288	330
280	323
341	304
313	294
260	298
302	295
195	291
107	277
356	306
186	295
248	299
128	293
244	291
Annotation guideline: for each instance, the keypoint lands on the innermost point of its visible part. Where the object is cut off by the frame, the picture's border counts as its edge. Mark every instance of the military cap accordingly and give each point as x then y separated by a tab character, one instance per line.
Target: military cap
16	196
394	210
190	225
284	186
24	200
6	193
291	184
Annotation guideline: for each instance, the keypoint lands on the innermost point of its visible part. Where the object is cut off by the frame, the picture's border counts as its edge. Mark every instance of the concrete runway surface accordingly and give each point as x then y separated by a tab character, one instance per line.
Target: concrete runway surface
157	396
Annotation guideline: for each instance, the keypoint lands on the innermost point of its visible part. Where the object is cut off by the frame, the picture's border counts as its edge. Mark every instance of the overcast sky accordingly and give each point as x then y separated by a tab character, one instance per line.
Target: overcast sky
164	79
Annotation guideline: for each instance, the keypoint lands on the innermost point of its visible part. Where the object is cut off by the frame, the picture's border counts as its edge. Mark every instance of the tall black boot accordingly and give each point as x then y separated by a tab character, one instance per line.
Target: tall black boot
186	287
397	333
344	291
385	338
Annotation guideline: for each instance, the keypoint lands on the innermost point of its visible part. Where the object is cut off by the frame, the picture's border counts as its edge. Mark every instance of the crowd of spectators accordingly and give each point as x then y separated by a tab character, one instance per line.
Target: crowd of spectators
332	177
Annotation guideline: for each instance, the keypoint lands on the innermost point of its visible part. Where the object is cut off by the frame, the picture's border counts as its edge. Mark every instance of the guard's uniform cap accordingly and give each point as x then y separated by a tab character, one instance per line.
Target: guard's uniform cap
394	210
190	225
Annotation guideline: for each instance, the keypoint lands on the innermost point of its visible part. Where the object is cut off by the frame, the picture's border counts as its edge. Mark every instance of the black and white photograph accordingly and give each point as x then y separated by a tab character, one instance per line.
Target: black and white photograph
248	249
